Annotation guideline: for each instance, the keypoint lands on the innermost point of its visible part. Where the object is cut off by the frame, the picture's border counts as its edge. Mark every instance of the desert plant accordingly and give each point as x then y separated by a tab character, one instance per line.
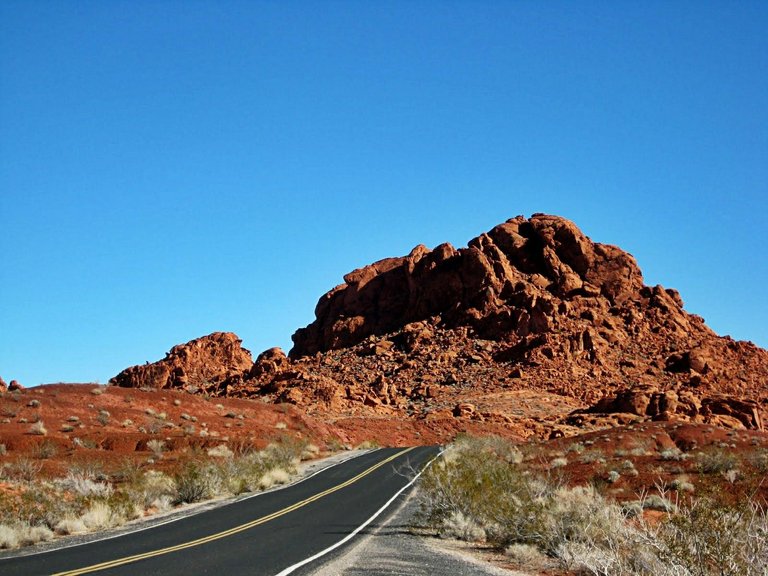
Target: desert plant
672	454
156	446
274	476
82	482
38	428
709	538
70	525
9	537
220	451
25	470
193	482
46	449
716	461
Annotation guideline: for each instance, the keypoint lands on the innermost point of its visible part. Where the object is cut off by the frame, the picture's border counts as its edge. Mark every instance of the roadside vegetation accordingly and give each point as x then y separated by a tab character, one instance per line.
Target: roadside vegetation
489	491
34	508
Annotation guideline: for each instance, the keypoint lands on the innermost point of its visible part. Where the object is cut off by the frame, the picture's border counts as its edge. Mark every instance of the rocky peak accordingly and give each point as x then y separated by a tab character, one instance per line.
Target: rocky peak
510	279
531	327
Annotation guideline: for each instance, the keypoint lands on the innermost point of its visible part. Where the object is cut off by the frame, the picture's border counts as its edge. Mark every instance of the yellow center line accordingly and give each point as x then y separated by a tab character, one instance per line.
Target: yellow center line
231	531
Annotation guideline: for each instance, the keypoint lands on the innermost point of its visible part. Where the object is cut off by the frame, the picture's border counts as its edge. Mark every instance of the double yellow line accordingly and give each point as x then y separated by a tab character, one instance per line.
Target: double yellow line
231	531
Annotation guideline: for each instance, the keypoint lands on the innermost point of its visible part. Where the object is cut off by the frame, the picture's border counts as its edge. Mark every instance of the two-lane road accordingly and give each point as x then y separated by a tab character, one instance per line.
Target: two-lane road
265	535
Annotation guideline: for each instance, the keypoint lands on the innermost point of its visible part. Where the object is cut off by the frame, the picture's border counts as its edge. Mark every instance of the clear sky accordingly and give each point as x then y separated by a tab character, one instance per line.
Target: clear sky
169	169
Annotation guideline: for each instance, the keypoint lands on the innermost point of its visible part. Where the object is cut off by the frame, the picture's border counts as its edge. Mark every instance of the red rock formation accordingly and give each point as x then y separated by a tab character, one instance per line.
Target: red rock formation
533	306
682	404
3	385
15	385
203	364
508	280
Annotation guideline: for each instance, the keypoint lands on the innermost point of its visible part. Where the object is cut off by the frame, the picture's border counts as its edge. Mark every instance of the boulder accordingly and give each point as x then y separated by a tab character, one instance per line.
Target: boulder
655	404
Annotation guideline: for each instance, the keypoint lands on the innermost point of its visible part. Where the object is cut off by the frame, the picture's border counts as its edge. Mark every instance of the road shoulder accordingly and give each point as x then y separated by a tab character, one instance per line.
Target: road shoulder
389	547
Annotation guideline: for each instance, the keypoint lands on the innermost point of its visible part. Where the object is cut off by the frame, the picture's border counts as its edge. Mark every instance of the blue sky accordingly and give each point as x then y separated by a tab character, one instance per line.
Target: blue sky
170	169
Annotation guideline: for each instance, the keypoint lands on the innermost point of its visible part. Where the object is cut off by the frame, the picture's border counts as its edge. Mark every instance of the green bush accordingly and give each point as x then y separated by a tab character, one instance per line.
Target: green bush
475	493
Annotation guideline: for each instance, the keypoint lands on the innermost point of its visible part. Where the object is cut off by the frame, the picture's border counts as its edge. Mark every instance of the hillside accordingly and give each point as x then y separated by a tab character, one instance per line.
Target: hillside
532	329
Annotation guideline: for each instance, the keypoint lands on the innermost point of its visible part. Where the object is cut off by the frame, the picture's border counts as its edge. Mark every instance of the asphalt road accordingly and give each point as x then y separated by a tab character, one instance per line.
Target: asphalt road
265	535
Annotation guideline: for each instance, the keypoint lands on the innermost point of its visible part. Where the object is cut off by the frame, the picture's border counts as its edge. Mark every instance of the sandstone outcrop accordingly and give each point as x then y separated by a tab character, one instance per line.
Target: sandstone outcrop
682	404
3	385
531	322
511	280
203	364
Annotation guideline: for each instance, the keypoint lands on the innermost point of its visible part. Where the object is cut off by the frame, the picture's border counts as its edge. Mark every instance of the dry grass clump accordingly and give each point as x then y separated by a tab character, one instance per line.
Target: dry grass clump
477	493
38	428
85	499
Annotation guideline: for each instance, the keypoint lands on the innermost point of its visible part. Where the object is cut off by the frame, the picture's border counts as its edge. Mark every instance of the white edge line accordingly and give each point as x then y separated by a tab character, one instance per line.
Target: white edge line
182	516
357	530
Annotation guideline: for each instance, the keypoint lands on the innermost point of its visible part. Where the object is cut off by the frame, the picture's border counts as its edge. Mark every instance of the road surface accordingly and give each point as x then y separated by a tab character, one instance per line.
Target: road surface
275	533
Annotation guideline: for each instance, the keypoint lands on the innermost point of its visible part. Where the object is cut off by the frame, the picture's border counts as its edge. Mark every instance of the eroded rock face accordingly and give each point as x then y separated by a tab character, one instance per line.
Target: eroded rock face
512	279
3	385
531	308
682	404
203	364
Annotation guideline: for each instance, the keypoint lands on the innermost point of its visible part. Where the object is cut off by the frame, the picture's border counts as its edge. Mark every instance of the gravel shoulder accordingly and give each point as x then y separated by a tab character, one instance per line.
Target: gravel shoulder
389	547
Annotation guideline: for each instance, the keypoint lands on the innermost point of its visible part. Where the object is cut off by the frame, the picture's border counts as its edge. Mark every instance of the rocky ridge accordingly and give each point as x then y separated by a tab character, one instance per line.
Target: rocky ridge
532	327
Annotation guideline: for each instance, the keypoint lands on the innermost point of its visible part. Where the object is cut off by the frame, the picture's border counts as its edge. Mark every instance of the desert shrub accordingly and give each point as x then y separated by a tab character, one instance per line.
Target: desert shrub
473	482
274	476
682	485
709	537
100	515
154	488
759	460
25	470
525	555
38	429
672	454
9	537
286	453
471	494
156	446
195	481
86	499
29	535
716	462
309	452
592	457
45	450
81	482
69	525
657	502
458	525
220	451
368	445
